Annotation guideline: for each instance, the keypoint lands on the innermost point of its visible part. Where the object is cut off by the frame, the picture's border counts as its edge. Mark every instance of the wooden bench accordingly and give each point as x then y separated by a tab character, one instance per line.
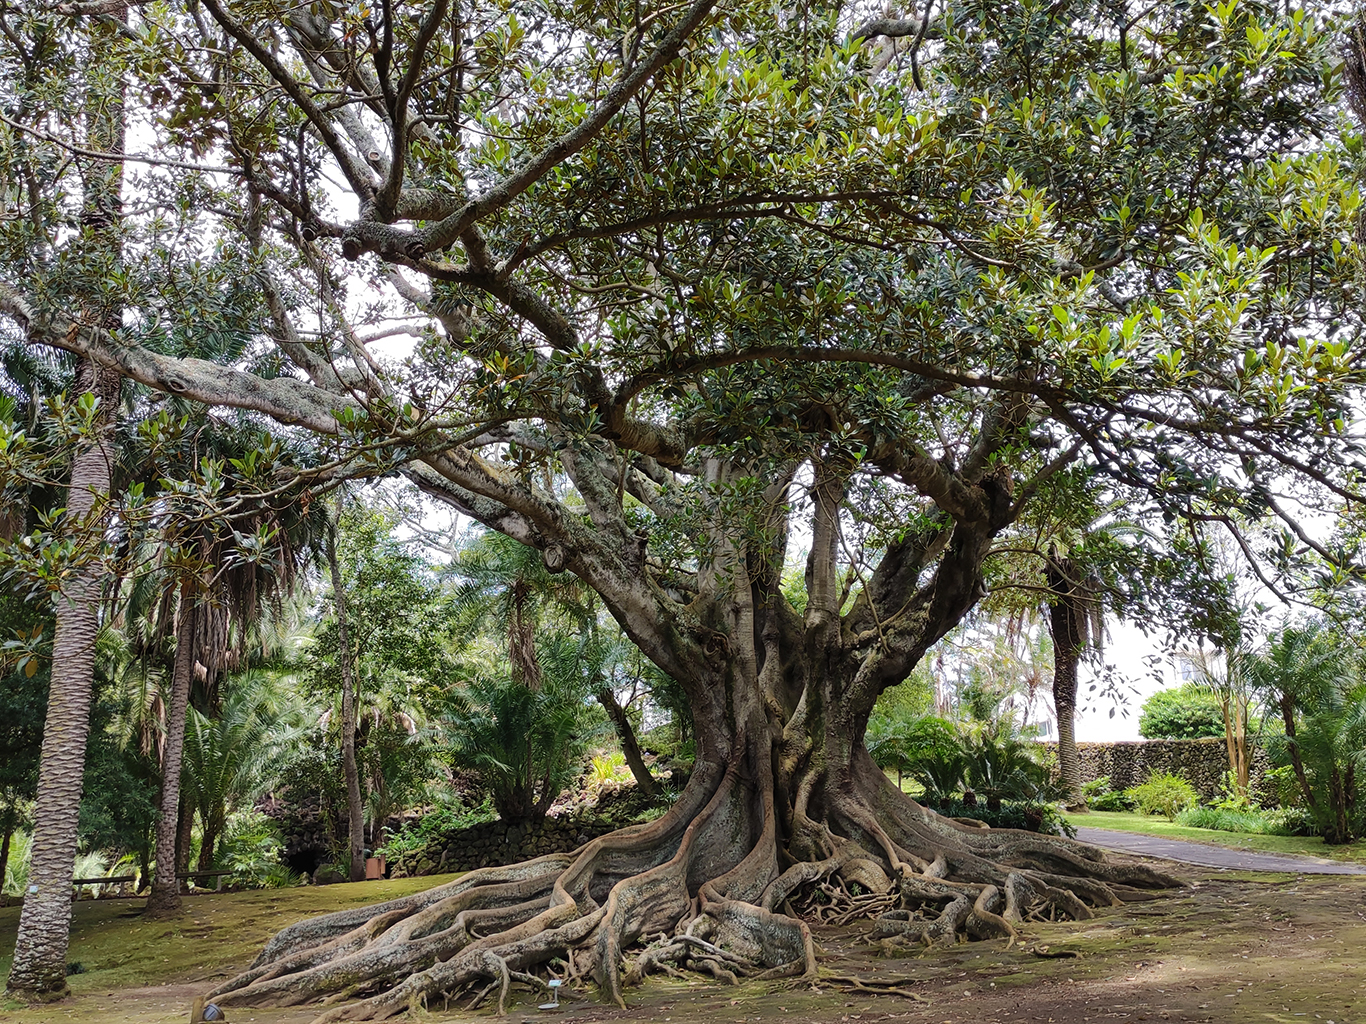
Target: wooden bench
111	880
183	875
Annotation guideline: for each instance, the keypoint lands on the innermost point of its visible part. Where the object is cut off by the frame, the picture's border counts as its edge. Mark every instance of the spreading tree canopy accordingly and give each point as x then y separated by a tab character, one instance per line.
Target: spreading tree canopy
692	294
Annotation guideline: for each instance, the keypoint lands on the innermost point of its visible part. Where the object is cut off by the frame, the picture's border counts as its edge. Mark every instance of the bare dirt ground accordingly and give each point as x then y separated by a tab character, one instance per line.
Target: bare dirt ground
1231	947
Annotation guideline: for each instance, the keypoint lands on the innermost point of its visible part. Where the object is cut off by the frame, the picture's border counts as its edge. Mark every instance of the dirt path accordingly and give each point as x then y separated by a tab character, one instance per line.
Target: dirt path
1213	856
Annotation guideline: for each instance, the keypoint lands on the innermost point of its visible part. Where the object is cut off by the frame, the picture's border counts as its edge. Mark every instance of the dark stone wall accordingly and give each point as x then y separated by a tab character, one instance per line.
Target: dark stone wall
495	842
1202	763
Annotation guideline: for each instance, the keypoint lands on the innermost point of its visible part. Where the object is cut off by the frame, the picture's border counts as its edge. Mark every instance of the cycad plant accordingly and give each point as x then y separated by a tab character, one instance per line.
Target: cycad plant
523	742
228	759
932	752
1001	764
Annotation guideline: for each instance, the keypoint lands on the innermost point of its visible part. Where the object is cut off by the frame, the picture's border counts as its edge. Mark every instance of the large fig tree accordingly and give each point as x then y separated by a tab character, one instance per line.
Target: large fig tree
777	286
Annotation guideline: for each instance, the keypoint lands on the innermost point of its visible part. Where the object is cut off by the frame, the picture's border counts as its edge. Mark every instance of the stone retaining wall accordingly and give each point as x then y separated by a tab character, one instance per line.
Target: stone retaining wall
495	842
1202	763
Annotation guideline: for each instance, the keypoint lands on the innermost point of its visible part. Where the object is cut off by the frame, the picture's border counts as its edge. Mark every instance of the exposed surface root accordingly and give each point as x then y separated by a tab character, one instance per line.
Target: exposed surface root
699	891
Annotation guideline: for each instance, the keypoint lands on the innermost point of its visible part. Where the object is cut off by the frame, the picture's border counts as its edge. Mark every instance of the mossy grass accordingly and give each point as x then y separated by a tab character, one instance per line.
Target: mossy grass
216	934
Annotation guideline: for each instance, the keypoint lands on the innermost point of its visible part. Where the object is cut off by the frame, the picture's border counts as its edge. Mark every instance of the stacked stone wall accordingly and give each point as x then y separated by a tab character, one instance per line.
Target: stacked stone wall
1202	763
496	842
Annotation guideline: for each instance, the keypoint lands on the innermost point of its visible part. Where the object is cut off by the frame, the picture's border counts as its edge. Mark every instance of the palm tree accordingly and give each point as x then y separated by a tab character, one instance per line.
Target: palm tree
221	566
1076	621
1314	677
39	964
506	582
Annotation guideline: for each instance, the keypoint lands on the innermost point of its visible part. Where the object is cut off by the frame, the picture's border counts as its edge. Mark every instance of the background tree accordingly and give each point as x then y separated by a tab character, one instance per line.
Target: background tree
386	604
1314	679
1186	712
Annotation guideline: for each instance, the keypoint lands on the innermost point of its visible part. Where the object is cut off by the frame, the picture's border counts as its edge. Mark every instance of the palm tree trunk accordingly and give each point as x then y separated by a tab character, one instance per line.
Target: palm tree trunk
1067	617
627	735
44	924
209	842
355	829
39	965
165	898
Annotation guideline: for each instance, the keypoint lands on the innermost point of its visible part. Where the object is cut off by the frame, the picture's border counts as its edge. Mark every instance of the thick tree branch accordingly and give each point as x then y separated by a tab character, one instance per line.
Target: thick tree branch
446	232
357	175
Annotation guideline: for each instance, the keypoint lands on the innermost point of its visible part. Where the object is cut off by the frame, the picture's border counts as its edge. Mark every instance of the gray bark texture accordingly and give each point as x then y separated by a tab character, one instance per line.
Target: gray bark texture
630	748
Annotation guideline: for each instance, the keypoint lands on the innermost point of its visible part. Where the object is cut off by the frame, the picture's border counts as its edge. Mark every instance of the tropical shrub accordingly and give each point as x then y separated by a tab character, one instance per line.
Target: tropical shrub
1163	794
436	824
1020	814
250	847
1100	796
1314	677
1001	764
524	743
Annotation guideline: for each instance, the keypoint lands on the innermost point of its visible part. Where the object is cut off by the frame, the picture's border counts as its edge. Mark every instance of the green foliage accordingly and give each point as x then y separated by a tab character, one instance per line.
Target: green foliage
605	768
1003	764
1314	676
16	868
1270	823
235	755
23	701
946	758
1025	815
1100	797
931	751
523	743
1163	794
1284	786
436	824
251	847
1186	712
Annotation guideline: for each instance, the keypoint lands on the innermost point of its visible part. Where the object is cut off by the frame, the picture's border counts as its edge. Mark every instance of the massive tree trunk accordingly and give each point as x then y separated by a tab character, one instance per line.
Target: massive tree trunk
355	813
165	898
784	797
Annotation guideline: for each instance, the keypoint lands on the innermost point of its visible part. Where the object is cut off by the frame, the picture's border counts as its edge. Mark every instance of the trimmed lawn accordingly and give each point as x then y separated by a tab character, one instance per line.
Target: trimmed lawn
1155	825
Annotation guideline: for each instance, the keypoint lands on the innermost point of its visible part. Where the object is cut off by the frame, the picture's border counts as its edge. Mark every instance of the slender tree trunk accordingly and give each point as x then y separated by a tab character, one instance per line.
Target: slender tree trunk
165	898
629	747
4	851
1067	623
355	829
184	837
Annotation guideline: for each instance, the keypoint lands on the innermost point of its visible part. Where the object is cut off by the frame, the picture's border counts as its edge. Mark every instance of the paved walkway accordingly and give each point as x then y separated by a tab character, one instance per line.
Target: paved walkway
1213	856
